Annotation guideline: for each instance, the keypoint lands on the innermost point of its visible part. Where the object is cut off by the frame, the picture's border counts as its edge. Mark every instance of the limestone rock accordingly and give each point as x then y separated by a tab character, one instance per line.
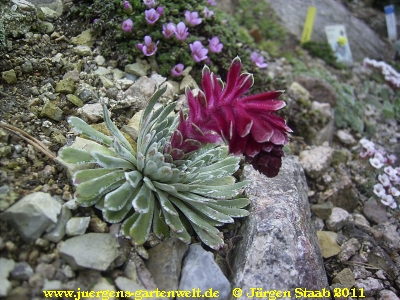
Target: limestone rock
319	89
92	112
51	111
316	161
166	272
65	86
322	210
93	251
387	295
298	92
348	249
279	249
375	211
75	100
345	278
140	68
370	285
77	226
9	76
33	215
82	50
85	39
7	265
337	219
187	81
327	241
200	271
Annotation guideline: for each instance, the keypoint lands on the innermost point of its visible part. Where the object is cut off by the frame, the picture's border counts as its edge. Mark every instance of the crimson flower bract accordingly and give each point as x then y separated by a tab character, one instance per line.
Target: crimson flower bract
246	123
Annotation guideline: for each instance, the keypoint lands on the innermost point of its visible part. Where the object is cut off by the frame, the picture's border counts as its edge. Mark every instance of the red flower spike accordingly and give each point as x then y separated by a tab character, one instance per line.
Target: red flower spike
247	123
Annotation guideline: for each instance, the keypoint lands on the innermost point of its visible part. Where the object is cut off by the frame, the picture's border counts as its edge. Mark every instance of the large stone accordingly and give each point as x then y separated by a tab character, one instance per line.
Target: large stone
327	241
93	251
166	272
33	215
330	12
318	88
201	271
280	248
375	211
316	161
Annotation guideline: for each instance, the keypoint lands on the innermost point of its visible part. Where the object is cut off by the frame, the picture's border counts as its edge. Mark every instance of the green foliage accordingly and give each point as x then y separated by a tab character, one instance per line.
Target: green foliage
147	189
324	51
122	46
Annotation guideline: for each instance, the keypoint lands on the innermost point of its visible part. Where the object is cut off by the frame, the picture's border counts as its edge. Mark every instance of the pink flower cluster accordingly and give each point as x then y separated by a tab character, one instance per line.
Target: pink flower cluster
378	158
390	74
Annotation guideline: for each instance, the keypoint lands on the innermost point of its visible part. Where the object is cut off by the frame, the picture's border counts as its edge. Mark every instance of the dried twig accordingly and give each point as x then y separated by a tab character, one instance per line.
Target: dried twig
29	139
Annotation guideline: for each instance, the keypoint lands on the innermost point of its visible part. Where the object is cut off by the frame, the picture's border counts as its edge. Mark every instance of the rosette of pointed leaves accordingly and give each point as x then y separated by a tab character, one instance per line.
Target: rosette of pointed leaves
158	187
247	123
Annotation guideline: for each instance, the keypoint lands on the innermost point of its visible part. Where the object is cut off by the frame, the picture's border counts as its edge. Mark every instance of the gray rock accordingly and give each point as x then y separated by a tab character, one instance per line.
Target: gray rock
33	215
125	284
58	232
298	92
86	92
360	272
328	244
83	50
140	68
77	225
360	221
9	76
342	192
107	83
387	295
22	271
387	236
187	81
48	14
200	271
345	278
318	88
330	12
93	250
166	272
7	265
91	112
322	210
279	249
375	211
104	286
144	86
158	79
338	218
102	71
27	67
378	258
345	137
100	60
348	249
371	286
316	161
52	285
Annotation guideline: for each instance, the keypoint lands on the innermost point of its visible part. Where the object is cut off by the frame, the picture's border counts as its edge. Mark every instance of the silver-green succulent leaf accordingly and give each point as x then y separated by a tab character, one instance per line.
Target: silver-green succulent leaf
147	189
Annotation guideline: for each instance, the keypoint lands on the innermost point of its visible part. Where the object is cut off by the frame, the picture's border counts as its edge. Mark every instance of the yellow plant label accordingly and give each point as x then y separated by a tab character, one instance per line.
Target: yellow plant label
308	25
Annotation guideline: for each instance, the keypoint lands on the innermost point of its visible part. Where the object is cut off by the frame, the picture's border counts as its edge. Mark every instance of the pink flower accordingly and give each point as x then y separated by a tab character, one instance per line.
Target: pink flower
160	10
95	20
389	201
394	192
199	53
376	163
379	190
211	2
127	25
215	46
207	13
192	18
258	60
169	30
247	123
181	31
152	16
391	159
149	3
177	70
127	5
384	179
149	48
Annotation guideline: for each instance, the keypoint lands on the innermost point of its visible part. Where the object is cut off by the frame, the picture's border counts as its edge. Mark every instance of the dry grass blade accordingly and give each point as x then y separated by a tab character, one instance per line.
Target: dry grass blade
29	139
